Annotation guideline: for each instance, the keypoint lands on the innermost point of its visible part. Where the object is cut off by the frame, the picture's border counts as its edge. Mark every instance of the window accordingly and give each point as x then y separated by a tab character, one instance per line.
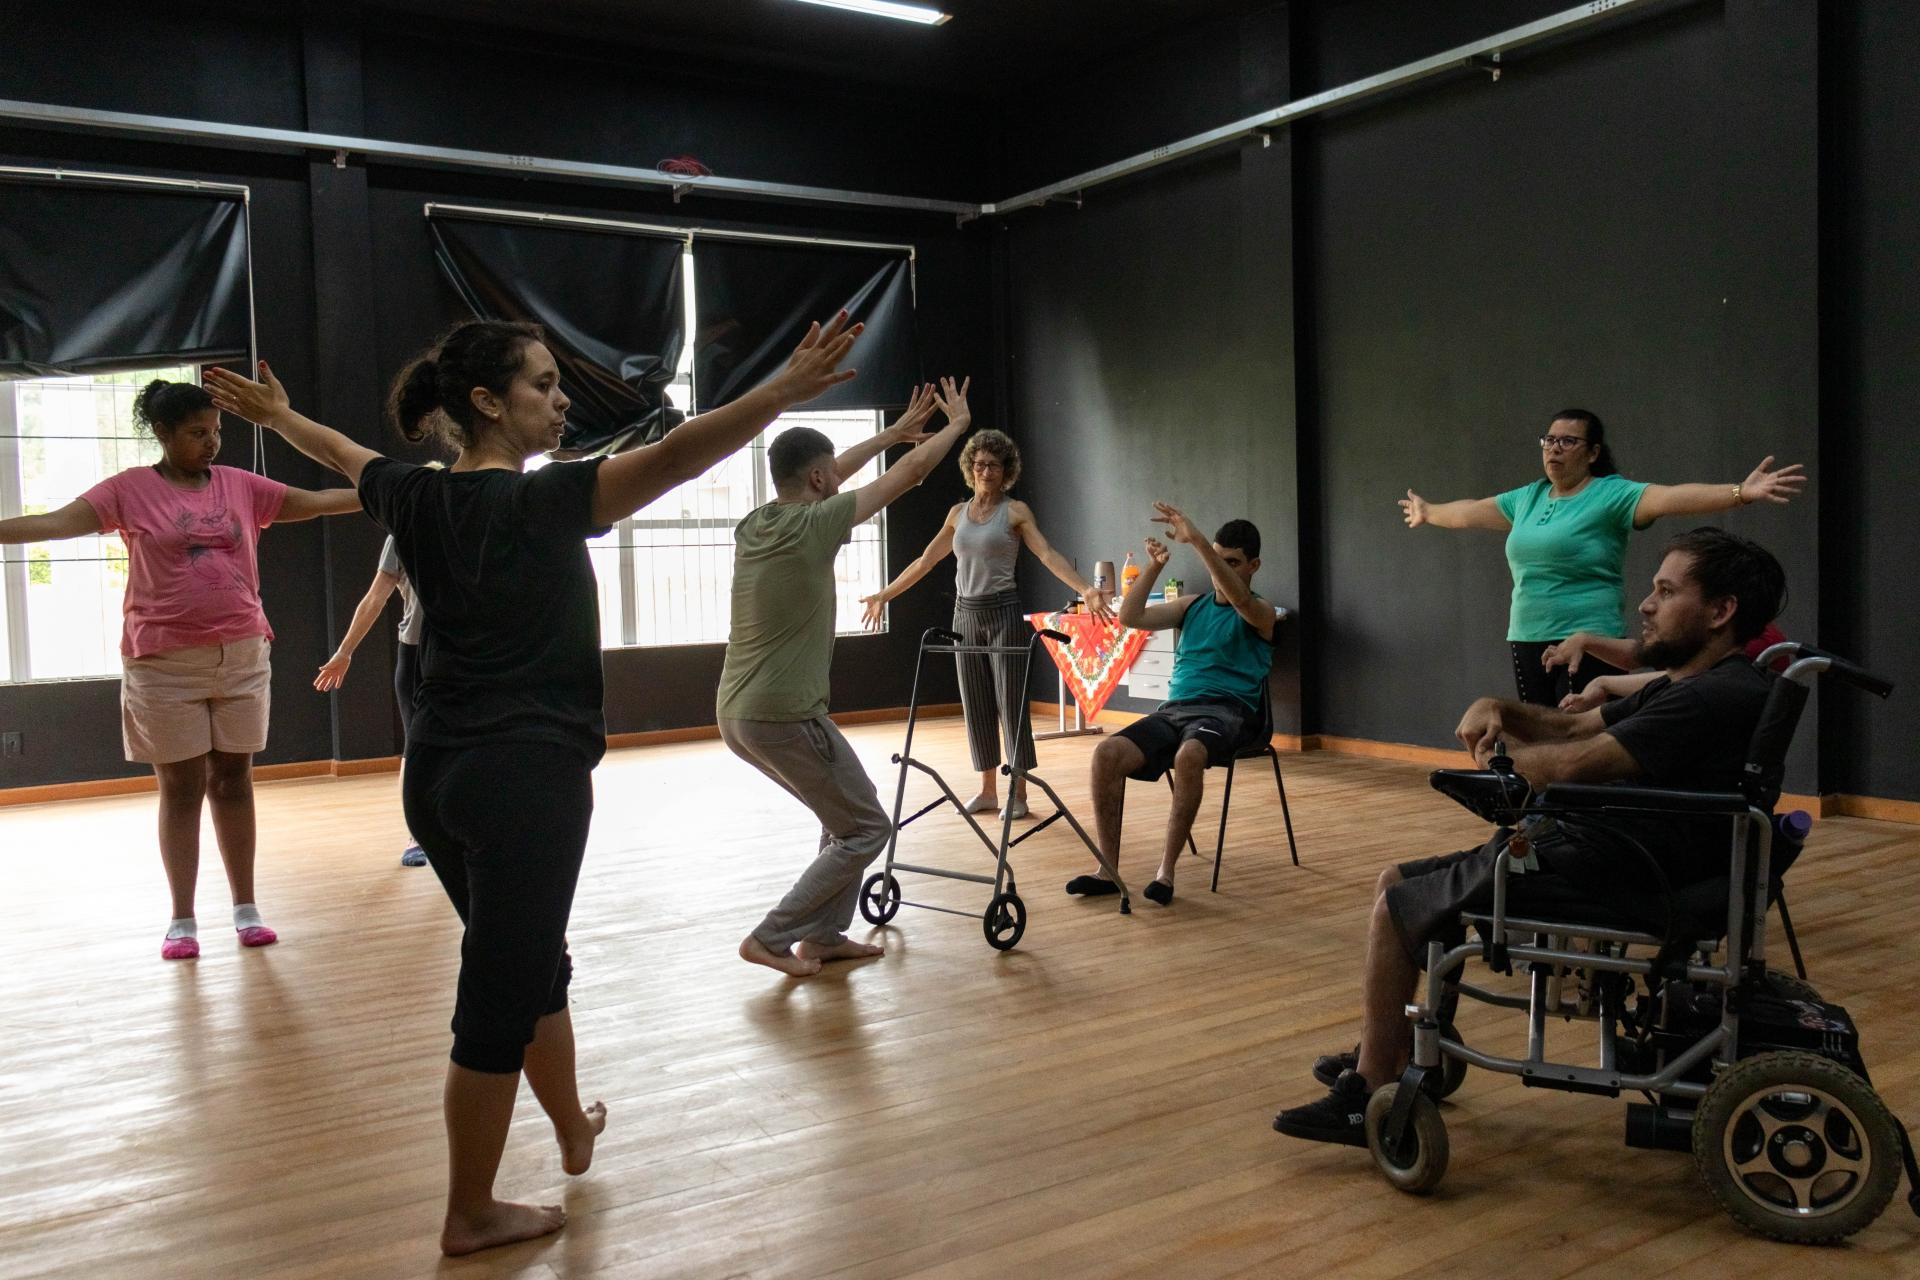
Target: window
666	573
60	601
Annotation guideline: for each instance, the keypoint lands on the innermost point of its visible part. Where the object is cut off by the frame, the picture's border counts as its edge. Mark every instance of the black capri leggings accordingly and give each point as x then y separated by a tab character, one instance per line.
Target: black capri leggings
504	826
1545	688
406	683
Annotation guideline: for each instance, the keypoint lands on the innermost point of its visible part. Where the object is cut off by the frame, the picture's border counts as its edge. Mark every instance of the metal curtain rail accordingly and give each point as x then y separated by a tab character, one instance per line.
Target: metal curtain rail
688	234
1482	55
299	141
88	177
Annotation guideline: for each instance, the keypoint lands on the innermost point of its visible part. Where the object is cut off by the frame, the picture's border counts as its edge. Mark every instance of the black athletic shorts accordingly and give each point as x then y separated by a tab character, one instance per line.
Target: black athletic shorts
1225	728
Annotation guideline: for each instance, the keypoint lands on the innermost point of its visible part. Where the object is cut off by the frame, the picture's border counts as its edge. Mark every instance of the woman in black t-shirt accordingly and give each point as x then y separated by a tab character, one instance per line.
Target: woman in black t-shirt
508	724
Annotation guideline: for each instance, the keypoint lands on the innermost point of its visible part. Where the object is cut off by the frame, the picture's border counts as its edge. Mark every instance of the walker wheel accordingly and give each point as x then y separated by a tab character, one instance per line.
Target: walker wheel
880	898
1420	1161
1005	921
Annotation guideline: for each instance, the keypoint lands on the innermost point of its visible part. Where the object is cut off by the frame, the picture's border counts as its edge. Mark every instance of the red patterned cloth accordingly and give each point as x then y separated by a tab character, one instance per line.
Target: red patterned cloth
1100	655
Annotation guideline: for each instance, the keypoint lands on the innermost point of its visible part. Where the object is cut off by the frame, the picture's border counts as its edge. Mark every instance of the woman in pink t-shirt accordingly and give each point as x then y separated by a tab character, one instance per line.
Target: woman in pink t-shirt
194	649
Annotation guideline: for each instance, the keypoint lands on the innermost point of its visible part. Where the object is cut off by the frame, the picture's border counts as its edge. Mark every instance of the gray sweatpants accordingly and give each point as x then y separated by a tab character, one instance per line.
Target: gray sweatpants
817	767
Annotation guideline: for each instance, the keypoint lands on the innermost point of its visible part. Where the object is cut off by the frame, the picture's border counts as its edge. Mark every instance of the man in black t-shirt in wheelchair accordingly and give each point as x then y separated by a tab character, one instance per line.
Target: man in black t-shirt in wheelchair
1689	729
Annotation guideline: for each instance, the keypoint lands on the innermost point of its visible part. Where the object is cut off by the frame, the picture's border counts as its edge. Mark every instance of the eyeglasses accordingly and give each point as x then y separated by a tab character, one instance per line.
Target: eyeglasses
1562	442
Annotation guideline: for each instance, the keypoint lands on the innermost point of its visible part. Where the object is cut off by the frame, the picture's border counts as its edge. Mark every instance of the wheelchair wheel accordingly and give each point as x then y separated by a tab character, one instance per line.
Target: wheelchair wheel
1796	1147
1005	921
880	898
1452	1073
1421	1160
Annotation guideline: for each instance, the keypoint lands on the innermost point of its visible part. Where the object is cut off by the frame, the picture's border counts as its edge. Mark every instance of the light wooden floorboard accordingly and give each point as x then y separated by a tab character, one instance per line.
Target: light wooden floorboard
1094	1104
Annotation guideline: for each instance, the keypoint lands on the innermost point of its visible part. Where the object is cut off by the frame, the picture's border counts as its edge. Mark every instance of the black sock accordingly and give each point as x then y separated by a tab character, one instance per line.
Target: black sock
1091	887
1159	891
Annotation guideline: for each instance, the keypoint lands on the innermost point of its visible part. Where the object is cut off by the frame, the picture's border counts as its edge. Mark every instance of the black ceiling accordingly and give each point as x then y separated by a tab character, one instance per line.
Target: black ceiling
990	49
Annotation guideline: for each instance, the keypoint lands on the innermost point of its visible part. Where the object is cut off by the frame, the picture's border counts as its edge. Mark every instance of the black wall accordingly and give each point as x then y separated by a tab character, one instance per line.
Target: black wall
346	289
1701	225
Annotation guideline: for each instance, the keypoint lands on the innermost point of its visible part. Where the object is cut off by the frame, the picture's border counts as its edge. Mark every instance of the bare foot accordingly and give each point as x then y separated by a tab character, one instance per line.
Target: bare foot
754	951
502	1222
845	949
576	1148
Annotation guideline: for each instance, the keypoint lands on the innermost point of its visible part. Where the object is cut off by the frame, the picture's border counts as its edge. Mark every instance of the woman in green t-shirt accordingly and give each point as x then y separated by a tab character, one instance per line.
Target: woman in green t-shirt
1567	541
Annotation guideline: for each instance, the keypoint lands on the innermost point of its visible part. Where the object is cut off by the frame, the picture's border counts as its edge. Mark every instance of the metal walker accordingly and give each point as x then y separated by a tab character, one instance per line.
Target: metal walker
1005	918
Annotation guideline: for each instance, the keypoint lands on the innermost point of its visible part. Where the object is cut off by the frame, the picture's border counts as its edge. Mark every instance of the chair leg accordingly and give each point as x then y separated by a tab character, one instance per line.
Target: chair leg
1285	812
1220	845
1192	848
1793	942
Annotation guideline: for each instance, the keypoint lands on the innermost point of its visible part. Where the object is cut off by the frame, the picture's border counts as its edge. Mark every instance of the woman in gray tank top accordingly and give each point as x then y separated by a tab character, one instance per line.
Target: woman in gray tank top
985	536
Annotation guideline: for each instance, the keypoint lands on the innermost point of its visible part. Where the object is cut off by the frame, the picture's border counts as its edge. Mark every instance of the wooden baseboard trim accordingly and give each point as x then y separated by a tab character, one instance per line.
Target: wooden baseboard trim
1826	806
1873	807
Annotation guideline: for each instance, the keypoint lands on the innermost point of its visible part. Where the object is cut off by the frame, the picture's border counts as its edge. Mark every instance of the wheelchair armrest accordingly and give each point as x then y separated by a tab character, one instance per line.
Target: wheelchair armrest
1574	795
1494	797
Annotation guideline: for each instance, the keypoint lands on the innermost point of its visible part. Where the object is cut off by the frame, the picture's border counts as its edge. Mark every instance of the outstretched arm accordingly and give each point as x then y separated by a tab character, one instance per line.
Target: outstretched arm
1099	601
633	479
1259	613
265	402
1761	485
75	520
936	551
873	497
333	672
1467	513
305	504
905	430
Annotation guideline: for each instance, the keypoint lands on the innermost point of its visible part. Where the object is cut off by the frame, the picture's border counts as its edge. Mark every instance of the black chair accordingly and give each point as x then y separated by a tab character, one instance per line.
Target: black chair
1262	746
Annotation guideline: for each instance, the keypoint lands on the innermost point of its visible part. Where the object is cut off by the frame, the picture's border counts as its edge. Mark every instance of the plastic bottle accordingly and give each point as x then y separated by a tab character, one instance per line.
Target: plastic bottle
1128	572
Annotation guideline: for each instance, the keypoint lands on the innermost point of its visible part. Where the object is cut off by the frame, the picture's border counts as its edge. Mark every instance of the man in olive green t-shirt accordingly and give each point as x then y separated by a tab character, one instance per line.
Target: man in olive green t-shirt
772	703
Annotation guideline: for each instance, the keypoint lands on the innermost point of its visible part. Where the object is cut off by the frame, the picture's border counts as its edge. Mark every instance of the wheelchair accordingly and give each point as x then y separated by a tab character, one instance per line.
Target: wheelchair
1749	1069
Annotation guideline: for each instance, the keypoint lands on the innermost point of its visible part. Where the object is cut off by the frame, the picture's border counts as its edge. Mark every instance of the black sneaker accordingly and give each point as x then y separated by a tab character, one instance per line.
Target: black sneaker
1328	1066
1339	1117
1159	891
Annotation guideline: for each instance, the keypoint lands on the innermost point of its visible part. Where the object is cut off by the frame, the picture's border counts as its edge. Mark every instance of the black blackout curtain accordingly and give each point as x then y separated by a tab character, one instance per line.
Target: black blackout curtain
610	300
96	278
753	300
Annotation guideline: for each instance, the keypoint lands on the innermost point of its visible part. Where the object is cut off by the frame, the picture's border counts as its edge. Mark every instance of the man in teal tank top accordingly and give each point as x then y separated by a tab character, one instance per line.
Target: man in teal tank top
1220	670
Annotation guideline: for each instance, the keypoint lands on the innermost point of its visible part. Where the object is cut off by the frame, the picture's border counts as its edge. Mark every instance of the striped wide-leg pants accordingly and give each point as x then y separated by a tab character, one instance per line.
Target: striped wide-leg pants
991	692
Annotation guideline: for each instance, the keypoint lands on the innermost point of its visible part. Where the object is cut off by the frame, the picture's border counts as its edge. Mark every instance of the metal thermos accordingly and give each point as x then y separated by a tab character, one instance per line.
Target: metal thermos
1103	575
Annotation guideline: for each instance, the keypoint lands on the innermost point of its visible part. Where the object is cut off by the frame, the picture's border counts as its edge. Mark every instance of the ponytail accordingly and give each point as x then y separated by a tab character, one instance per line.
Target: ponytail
433	396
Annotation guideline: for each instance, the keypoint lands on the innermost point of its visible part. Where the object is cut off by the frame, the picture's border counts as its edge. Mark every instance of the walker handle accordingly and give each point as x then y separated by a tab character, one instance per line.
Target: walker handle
1050	634
941	633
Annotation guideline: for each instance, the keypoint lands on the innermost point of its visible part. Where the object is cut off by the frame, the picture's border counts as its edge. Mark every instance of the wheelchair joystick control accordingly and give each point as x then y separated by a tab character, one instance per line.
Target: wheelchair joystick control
1500	761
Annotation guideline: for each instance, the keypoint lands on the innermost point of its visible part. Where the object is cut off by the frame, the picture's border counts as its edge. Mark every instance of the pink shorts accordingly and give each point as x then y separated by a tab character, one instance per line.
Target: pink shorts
184	703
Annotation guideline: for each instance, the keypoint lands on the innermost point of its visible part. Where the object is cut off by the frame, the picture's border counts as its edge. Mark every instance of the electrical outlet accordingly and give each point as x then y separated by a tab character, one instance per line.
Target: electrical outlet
10	744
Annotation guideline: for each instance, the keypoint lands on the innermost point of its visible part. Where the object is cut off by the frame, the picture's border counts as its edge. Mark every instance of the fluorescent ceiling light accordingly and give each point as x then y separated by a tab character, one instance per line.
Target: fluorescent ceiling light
888	9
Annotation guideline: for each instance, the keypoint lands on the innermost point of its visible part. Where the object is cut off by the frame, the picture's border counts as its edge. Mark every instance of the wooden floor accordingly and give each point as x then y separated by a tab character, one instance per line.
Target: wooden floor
1093	1104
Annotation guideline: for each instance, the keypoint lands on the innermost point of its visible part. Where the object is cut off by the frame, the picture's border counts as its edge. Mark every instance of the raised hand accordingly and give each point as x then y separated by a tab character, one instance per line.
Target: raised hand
952	401
908	427
875	613
814	365
1099	603
1414	508
1781	486
1158	553
1179	527
245	398
333	673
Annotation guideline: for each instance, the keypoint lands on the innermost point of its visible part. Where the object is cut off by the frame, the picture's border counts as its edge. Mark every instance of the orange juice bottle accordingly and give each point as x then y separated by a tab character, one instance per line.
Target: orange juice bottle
1128	573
